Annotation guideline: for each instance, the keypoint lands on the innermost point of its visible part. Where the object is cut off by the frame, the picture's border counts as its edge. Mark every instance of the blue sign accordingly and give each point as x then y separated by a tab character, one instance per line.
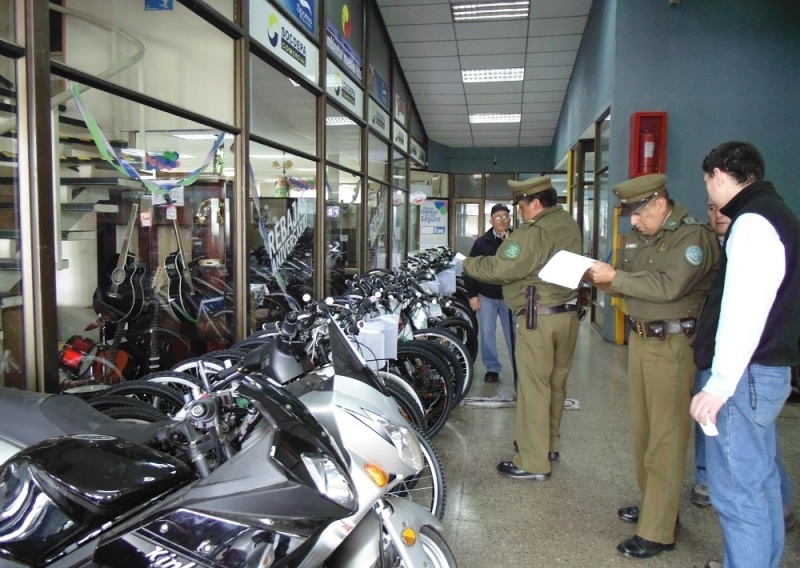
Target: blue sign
158	4
302	12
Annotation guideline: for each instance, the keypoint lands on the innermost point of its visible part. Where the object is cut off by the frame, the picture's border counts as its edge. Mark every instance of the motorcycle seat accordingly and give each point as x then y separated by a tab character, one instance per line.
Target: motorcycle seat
29	418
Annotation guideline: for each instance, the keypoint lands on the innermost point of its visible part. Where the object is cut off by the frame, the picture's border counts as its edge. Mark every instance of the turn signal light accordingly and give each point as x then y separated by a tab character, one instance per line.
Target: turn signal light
380	477
409	536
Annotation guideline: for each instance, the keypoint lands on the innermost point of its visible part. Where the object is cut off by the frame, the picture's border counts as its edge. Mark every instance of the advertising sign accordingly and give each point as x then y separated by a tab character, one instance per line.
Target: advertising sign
378	118
344	90
433	223
281	38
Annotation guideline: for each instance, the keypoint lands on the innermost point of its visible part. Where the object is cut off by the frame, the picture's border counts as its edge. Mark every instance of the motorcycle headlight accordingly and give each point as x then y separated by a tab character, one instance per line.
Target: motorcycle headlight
331	481
407	445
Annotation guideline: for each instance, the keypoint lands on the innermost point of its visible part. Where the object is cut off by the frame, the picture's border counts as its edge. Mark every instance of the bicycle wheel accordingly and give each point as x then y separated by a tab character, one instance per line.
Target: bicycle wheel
188	385
162	398
425	372
413	414
195	366
454	344
465	333
104	402
459	309
136	414
428	487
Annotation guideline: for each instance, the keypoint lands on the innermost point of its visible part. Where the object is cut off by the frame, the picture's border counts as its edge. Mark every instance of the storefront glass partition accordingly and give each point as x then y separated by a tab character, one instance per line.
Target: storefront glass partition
342	228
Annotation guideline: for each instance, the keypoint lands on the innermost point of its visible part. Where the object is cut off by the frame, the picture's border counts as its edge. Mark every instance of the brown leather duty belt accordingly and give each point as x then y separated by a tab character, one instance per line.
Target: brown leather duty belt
547	310
663	328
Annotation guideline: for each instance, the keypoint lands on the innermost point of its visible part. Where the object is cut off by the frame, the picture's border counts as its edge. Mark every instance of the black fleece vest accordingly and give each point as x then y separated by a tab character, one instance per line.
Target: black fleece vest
778	345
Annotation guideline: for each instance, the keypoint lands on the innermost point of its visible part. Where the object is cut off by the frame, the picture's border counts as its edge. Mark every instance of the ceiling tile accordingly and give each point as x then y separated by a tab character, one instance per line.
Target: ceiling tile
437	89
546	85
493	108
557	8
540	116
428	13
440	99
554	43
532	108
383	3
492	46
551	58
491	30
430	63
504	61
442	109
453	76
539	73
422	32
543	97
425	49
504	88
557	26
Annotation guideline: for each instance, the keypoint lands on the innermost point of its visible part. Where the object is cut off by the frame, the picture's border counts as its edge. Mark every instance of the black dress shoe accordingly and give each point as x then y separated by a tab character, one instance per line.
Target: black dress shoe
508	469
638	547
552	456
629	514
491	377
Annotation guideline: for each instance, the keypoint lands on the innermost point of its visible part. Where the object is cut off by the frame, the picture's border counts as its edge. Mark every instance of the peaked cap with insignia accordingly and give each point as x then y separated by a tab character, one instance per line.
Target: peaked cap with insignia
531	186
637	192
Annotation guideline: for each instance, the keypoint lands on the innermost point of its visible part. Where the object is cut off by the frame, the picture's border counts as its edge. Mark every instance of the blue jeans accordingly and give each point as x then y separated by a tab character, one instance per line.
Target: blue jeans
743	478
700	475
490	310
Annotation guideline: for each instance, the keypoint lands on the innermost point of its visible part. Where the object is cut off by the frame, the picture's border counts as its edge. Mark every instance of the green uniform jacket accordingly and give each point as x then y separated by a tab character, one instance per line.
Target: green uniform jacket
523	254
667	276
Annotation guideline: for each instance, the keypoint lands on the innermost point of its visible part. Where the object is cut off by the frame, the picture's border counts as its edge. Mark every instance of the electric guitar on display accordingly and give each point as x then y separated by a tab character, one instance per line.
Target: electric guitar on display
119	298
182	296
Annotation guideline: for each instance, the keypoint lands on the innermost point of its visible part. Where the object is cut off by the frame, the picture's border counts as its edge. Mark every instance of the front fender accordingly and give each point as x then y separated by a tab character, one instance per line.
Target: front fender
362	545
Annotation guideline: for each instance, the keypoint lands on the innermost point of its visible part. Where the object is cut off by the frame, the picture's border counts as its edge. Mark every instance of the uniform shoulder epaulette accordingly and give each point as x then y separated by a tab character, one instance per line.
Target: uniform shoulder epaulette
689	220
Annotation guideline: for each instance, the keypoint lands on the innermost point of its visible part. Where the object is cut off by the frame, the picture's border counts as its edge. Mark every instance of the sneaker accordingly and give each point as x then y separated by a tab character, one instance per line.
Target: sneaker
700	496
491	377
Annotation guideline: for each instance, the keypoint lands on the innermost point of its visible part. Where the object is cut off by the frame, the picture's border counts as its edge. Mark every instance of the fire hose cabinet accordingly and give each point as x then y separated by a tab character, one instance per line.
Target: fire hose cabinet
648	152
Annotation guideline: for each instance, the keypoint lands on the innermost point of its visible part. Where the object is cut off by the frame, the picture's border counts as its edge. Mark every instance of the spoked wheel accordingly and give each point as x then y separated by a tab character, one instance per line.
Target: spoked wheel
454	344
161	398
188	385
197	366
428	377
428	487
437	551
136	414
464	331
408	407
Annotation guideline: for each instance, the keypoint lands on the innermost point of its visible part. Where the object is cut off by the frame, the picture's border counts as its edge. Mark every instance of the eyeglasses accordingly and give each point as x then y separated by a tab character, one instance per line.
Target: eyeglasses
501	218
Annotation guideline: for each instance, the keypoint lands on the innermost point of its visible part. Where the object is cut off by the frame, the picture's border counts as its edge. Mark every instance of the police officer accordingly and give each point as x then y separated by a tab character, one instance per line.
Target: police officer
663	272
544	352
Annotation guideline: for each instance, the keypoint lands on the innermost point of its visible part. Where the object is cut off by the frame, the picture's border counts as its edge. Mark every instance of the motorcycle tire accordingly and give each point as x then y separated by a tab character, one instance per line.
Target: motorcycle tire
413	414
104	402
437	551
427	488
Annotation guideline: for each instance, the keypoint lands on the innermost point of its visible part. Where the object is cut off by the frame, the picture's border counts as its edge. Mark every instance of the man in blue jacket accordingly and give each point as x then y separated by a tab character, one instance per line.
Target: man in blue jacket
487	299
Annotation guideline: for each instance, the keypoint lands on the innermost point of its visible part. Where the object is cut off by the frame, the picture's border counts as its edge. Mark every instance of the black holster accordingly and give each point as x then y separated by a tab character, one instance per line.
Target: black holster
531	301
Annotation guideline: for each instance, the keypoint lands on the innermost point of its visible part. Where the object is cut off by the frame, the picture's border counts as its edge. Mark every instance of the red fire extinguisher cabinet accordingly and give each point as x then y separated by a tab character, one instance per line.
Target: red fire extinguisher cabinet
648	152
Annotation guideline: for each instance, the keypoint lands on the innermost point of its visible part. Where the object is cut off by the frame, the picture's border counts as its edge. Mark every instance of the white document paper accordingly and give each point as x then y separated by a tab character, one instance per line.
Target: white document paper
566	269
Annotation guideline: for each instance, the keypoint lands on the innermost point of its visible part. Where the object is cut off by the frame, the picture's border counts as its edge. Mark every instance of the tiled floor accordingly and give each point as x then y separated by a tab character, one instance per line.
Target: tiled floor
571	519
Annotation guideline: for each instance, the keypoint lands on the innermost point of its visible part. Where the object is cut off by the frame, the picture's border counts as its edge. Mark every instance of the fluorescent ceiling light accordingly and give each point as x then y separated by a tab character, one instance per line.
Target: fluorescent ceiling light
488	118
492	75
490	11
190	136
339	121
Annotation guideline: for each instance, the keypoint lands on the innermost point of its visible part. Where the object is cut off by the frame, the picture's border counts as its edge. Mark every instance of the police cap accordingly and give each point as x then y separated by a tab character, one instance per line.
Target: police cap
637	192
528	187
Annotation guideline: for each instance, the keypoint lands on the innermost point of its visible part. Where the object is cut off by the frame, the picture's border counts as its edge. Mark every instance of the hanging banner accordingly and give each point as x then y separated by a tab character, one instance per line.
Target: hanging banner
377	87
378	118
418	153
433	223
344	90
339	48
281	38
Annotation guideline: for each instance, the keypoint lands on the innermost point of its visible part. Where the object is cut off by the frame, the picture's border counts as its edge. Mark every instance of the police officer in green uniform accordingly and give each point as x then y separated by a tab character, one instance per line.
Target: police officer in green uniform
663	272
543	354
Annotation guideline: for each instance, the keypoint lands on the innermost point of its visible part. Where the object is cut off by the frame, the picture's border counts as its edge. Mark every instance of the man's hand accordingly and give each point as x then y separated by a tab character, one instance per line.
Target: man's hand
705	406
475	303
601	273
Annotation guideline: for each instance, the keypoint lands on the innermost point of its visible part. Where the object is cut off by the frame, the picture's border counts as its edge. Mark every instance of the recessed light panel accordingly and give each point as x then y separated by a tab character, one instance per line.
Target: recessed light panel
492	75
488	11
494	118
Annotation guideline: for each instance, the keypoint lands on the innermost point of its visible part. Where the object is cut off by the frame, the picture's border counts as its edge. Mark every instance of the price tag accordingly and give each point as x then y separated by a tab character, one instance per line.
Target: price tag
172	212
145	218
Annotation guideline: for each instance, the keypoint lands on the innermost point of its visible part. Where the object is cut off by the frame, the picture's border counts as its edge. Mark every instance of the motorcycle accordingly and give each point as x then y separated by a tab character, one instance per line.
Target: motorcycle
245	476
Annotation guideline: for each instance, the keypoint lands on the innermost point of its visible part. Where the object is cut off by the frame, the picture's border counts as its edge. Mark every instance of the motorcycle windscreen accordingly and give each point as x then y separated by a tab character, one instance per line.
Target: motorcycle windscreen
57	491
345	359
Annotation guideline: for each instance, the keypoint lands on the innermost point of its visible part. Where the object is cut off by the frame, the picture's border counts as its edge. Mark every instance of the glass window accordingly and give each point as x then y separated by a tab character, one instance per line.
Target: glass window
12	371
399	170
497	185
378	158
377	237
400	228
604	137
342	227
143	281
7	19
342	140
467	185
280	237
171	55
281	110
378	73
467	228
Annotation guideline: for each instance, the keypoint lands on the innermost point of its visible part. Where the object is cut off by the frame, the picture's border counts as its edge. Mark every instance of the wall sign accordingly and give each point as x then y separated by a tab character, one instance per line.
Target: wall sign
418	153
433	223
378	118
281	38
400	138
338	46
400	110
344	90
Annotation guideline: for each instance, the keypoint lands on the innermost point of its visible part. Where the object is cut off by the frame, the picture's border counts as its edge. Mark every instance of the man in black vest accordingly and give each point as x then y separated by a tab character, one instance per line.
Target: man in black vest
745	346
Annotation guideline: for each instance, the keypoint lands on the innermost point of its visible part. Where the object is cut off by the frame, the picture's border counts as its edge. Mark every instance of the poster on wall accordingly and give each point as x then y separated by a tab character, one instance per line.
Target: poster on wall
339	86
304	12
400	138
378	87
418	153
433	223
344	34
282	38
378	118
400	110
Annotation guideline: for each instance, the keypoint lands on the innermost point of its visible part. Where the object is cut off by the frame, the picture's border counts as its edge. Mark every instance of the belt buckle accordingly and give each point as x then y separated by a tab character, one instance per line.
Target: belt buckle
640	329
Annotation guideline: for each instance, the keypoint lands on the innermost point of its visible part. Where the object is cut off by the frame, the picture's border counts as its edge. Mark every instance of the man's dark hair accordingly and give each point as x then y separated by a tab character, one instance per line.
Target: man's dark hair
547	197
742	161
